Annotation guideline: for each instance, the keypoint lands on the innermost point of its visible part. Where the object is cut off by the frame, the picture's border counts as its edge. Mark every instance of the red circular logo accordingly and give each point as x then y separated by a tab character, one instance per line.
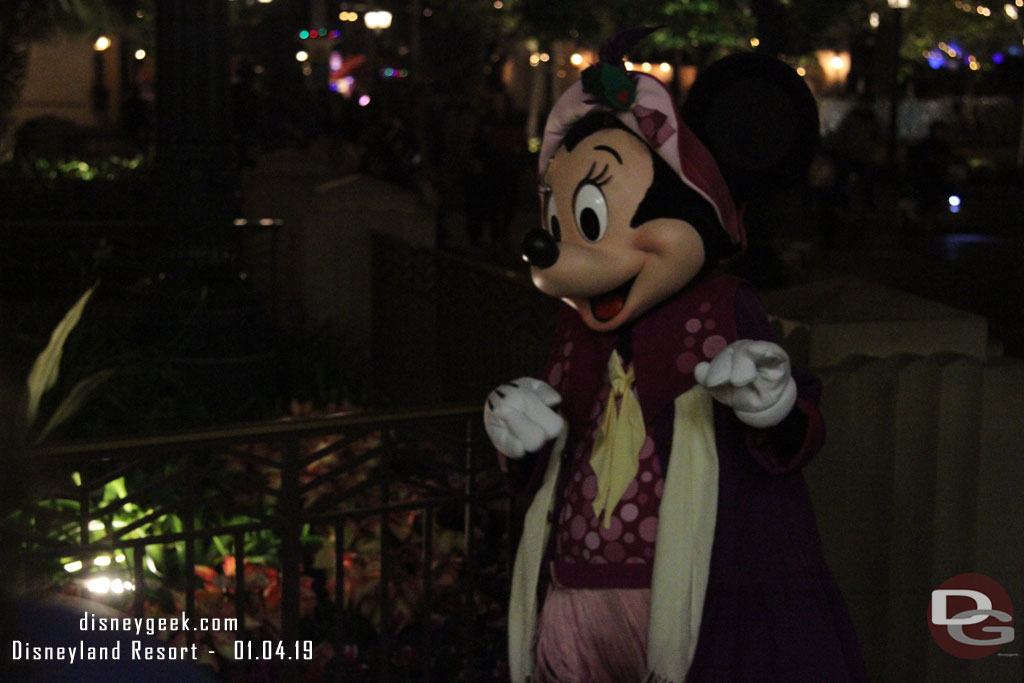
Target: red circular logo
971	616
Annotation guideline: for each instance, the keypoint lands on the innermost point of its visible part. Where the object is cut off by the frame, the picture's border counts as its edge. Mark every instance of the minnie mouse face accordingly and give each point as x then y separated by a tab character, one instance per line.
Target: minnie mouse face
619	218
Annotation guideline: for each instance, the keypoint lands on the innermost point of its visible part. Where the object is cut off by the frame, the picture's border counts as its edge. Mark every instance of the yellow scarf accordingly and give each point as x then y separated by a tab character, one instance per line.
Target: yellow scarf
621	435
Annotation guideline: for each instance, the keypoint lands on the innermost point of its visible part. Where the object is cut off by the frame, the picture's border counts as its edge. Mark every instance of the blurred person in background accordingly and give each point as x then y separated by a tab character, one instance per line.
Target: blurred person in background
929	172
856	146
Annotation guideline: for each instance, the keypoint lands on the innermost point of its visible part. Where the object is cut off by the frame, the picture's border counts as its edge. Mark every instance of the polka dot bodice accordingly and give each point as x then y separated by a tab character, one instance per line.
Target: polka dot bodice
700	343
667	346
629	537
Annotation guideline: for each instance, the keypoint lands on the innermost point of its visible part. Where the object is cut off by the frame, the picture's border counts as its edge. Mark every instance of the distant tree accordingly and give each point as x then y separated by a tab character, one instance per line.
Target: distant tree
696	29
929	22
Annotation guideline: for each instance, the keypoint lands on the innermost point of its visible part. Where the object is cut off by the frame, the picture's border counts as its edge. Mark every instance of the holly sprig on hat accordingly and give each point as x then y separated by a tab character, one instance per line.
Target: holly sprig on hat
608	80
610	84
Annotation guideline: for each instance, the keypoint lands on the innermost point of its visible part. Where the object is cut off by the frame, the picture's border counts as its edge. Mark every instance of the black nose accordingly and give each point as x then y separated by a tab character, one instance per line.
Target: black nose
540	249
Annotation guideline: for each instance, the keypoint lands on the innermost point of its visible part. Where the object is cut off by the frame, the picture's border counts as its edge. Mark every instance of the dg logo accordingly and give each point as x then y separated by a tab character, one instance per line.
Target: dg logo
971	616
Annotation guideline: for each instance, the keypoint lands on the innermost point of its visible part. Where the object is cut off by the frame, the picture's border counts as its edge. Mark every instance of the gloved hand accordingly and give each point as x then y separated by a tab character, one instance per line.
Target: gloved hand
518	416
753	378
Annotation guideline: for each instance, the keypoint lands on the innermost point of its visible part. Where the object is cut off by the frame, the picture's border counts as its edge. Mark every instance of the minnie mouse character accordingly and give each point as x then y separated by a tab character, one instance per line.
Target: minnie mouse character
670	536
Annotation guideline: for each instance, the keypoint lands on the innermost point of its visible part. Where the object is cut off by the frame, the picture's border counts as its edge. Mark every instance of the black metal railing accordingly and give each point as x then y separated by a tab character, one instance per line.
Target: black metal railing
420	491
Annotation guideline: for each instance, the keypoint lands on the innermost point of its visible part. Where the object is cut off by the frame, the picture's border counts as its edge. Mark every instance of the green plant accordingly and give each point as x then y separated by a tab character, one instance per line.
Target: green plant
107	168
46	370
345	475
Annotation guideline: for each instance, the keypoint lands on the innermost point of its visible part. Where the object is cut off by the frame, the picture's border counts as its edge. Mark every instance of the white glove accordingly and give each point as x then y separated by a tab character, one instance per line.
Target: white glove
753	378
518	416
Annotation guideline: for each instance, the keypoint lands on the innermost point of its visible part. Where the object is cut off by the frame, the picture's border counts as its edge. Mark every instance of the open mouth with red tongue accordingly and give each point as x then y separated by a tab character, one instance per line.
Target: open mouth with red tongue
606	306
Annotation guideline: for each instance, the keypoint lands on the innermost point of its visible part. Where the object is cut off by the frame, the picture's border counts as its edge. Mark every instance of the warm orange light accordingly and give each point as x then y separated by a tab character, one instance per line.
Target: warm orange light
835	66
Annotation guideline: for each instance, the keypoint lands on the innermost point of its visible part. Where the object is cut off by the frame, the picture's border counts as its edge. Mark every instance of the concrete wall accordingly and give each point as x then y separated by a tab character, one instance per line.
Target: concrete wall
60	78
323	254
920	480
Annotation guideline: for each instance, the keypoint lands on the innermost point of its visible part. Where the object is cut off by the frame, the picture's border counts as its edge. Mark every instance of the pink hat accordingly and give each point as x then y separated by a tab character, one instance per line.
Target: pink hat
645	106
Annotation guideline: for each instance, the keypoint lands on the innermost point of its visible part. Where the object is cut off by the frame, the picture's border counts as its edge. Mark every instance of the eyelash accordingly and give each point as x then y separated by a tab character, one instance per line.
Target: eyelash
598	179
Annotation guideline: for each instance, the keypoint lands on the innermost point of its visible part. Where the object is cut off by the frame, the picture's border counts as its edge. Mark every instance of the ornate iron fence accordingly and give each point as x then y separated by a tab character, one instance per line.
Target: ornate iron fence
386	537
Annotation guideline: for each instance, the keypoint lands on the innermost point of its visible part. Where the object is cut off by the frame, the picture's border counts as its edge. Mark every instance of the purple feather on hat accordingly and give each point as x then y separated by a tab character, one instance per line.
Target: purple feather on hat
616	47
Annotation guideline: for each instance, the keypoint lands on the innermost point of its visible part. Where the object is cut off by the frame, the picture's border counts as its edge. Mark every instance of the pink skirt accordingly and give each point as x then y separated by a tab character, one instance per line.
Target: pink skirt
593	635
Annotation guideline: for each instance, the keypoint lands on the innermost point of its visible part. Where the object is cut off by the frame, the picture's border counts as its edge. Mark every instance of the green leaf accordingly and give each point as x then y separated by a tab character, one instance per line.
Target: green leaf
114	489
47	364
221	547
73	402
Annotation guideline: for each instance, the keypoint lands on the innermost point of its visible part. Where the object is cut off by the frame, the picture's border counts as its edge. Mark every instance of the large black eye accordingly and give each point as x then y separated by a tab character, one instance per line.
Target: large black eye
554	226
591	212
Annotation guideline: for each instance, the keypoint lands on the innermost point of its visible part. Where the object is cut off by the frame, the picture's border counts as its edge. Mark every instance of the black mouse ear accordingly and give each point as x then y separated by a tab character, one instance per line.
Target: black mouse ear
757	118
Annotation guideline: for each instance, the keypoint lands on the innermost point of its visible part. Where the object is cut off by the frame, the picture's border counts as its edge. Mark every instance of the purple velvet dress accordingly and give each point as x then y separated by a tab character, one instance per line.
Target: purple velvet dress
772	610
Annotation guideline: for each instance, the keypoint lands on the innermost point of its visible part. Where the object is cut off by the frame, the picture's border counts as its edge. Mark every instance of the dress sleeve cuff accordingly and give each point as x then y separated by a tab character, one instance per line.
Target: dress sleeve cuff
789	445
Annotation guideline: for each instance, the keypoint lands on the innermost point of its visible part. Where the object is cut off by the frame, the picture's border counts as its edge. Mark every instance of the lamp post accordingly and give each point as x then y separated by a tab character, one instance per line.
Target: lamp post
897	6
377	21
100	92
1015	15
